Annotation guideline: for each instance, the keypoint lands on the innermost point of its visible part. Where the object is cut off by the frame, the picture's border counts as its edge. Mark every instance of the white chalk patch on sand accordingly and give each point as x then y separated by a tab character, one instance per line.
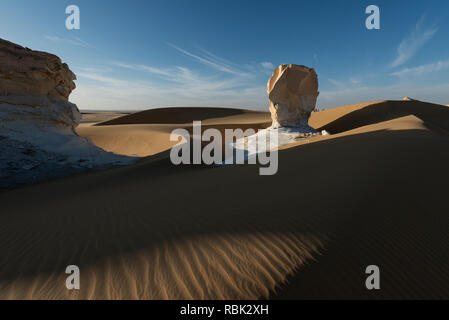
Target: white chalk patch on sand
61	140
269	140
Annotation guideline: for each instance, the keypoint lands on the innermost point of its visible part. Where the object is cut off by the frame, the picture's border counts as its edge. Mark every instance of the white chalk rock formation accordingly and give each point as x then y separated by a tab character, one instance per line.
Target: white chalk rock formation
34	107
293	92
408	99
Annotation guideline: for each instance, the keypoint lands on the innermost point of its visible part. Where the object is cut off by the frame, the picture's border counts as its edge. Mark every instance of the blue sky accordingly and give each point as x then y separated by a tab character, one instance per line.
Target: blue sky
132	55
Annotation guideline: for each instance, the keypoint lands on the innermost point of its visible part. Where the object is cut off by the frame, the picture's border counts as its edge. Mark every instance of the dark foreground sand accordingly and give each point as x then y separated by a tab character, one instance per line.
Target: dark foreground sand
374	192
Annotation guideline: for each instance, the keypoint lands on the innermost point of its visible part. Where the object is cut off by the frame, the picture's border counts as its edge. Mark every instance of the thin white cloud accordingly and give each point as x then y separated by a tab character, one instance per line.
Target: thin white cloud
75	41
422	70
213	61
111	93
185	87
352	82
267	65
336	83
408	47
182	87
219	60
103	79
182	75
141	67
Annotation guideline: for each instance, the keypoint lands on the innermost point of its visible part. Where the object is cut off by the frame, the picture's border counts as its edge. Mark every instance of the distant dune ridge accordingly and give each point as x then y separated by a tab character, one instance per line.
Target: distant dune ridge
374	194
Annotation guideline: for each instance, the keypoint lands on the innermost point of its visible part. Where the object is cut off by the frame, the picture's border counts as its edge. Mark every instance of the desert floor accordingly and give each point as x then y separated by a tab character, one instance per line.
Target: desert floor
374	192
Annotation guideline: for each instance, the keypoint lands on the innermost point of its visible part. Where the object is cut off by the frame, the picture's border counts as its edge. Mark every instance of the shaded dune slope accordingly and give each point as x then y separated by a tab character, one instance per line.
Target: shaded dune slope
132	240
176	115
375	194
435	116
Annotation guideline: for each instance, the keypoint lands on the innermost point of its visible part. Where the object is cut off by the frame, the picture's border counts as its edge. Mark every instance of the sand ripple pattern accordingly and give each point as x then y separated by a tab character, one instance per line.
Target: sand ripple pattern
219	266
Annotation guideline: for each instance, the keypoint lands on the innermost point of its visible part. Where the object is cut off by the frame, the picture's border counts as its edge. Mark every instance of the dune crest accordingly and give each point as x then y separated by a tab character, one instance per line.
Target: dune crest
221	266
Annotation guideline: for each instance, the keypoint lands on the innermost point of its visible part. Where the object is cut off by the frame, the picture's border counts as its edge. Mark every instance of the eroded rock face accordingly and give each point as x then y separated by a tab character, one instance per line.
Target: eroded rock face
24	71
37	122
35	87
293	92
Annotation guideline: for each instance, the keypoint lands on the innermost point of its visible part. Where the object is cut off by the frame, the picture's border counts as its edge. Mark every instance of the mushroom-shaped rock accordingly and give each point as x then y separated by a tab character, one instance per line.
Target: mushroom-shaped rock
293	92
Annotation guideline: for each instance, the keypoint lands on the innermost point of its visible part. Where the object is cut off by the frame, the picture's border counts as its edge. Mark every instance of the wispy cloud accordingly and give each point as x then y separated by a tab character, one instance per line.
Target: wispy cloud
422	70
107	90
352	82
414	41
181	75
213	61
267	65
75	41
336	83
141	67
103	79
181	87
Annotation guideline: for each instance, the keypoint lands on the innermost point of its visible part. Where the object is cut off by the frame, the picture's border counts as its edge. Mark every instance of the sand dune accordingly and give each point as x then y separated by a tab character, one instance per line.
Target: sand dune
179	115
96	117
148	132
435	116
375	194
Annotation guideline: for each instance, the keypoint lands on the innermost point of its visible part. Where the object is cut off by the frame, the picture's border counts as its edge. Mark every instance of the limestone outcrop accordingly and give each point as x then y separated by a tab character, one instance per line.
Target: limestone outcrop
35	73
35	87
37	121
293	92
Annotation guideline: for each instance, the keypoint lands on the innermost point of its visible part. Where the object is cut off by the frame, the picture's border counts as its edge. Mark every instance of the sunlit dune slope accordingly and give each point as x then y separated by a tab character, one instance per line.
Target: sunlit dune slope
148	132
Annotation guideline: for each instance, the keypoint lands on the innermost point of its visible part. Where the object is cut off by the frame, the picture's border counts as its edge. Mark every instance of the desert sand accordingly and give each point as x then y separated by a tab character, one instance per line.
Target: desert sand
373	192
148	132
